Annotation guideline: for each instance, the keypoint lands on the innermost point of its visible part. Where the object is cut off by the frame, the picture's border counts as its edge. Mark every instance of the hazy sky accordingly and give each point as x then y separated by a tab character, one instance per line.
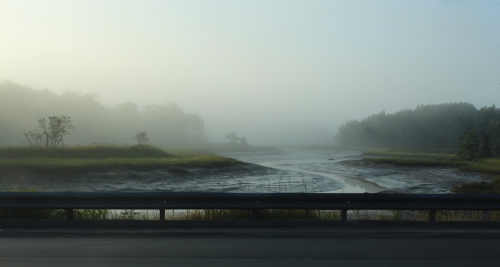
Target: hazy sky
266	69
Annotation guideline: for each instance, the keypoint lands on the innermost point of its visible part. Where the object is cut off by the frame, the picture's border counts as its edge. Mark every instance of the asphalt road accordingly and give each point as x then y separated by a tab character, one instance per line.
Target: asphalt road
232	250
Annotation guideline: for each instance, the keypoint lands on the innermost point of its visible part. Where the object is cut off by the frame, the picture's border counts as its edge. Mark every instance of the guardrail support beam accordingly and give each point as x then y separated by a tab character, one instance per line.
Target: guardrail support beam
343	215
254	214
432	215
162	214
69	214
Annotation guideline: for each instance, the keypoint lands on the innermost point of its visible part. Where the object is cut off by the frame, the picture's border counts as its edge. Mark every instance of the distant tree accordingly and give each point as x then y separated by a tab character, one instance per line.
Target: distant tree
468	146
50	133
233	137
142	138
243	141
484	148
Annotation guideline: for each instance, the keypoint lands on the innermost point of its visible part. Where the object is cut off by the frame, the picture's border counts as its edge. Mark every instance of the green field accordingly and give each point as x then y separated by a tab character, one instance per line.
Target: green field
96	159
84	152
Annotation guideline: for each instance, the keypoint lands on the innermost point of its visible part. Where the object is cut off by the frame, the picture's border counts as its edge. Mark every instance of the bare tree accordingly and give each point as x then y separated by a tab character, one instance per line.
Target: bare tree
142	138
50	133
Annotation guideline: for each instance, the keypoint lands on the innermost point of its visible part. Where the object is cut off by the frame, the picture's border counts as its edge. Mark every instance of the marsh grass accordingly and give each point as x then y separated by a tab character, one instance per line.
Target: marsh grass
424	158
417	159
78	165
84	152
411	153
417	162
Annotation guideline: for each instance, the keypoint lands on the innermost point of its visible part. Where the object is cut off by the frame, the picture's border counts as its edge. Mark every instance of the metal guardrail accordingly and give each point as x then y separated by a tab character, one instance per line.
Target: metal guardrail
252	202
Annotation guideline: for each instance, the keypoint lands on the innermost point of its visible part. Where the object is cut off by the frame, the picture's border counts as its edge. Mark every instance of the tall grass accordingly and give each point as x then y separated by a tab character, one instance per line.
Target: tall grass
77	165
84	152
411	153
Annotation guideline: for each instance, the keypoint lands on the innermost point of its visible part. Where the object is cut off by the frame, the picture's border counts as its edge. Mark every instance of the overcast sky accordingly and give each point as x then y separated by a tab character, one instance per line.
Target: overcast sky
266	69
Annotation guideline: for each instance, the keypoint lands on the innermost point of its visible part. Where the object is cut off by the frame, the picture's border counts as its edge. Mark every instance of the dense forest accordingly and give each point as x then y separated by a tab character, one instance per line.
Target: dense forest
426	126
167	124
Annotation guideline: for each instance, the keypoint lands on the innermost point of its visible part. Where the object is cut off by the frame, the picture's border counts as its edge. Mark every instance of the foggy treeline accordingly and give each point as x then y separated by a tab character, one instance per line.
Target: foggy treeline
426	126
167	124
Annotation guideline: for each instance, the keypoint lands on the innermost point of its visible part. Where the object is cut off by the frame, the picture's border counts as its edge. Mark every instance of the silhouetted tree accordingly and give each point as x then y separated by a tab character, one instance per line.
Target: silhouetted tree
50	133
243	141
142	138
468	146
484	149
233	137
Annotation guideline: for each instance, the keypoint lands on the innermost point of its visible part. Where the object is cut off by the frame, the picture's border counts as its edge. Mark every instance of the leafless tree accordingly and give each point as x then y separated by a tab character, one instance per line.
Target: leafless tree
50	133
142	138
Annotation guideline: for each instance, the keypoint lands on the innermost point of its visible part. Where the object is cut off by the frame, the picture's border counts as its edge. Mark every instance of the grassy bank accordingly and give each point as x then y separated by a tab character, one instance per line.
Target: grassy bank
84	152
102	158
425	158
214	148
486	166
411	153
78	165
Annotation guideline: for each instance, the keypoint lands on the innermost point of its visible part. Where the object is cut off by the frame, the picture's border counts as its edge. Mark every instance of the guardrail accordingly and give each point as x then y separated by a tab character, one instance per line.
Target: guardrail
252	202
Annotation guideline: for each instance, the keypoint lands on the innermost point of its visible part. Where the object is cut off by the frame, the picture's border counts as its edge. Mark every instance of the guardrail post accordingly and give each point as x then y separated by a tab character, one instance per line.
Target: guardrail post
162	214
69	214
254	214
343	215
432	215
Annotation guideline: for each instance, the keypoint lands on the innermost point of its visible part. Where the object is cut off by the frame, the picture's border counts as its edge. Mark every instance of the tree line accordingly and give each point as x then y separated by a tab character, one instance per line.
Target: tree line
442	126
21	107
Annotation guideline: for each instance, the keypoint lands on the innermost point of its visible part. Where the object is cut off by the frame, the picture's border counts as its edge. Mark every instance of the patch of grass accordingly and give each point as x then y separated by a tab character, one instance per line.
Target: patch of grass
411	153
415	158
486	166
79	165
213	148
84	152
417	162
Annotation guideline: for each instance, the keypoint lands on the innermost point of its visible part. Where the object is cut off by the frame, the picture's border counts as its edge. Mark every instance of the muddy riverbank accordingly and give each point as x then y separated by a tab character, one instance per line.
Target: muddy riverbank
285	170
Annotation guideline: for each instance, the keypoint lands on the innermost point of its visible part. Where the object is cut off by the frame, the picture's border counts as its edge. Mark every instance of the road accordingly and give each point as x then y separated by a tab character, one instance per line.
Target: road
125	249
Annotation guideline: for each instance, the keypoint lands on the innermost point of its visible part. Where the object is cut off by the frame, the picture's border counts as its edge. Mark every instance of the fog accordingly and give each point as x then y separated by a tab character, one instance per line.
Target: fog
277	72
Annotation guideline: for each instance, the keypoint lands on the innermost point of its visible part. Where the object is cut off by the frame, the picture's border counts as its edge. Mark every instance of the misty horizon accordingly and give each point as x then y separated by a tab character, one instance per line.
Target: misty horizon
276	72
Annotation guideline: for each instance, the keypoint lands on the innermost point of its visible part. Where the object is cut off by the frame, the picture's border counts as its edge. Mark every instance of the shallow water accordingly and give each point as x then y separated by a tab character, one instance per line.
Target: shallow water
314	166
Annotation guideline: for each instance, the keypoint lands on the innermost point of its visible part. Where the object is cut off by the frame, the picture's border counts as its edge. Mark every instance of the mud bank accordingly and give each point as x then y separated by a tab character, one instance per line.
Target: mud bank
414	180
194	180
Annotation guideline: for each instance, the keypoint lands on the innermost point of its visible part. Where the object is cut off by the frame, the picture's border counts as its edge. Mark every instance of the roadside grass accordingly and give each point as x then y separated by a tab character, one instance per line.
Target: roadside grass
423	215
224	214
268	214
